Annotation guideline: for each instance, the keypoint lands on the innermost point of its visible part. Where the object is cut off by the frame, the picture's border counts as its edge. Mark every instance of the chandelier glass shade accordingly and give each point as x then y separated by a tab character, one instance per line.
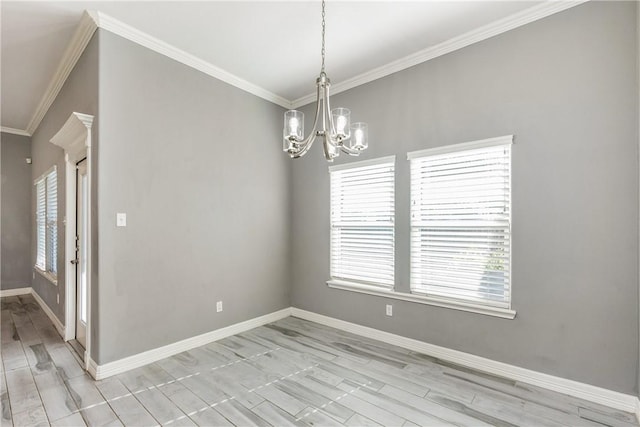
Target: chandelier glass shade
333	126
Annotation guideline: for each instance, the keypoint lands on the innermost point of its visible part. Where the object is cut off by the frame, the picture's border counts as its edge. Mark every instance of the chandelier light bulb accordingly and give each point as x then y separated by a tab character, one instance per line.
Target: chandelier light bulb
293	126
342	120
360	136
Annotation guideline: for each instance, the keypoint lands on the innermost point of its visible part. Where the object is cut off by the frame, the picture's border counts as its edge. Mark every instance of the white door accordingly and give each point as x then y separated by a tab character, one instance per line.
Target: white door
82	228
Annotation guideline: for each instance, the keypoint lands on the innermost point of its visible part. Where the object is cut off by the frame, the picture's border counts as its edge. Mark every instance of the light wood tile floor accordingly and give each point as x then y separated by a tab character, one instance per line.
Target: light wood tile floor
291	372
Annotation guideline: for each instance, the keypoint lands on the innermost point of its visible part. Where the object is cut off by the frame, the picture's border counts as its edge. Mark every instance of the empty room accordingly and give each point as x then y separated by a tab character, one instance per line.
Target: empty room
320	213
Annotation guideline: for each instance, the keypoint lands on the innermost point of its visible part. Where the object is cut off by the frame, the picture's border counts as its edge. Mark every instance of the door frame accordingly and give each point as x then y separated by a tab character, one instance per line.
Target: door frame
75	138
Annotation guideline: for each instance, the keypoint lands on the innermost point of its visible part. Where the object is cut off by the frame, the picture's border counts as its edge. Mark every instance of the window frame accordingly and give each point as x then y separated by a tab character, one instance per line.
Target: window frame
46	269
455	303
355	284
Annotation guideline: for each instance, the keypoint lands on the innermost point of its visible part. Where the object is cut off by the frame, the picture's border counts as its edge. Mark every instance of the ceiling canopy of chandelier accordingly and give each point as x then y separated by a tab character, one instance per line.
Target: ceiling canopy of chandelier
335	125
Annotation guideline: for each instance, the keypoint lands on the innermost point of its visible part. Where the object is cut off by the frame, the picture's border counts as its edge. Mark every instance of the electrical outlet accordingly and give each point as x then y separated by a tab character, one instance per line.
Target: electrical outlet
218	306
389	310
58	299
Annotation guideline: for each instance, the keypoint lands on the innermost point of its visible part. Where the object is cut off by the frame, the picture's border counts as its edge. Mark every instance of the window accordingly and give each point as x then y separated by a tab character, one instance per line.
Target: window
47	223
461	223
362	216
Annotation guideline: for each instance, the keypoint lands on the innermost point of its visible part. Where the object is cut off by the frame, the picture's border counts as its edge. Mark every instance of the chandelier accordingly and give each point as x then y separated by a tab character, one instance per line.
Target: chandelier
335	125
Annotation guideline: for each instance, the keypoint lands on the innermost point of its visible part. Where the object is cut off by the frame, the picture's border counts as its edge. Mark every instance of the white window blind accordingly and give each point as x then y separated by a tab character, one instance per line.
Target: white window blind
52	223
362	222
47	222
461	222
41	221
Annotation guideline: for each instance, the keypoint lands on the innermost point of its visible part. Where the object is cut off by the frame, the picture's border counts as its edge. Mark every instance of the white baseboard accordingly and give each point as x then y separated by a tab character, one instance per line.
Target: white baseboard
29	291
56	322
112	368
15	292
612	399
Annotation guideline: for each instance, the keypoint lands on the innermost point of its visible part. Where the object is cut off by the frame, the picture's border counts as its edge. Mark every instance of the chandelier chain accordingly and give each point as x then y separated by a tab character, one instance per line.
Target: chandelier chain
323	28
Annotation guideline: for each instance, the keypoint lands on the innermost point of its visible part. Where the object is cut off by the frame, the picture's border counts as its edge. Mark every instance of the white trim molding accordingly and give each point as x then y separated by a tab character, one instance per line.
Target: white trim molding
483	33
54	319
363	163
612	399
43	305
92	20
15	292
14	131
130	33
79	42
75	139
444	149
503	313
638	410
112	368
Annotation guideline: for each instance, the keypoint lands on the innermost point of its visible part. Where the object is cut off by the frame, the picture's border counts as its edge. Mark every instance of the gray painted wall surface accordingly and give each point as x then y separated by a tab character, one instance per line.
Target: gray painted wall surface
196	166
567	87
15	218
79	94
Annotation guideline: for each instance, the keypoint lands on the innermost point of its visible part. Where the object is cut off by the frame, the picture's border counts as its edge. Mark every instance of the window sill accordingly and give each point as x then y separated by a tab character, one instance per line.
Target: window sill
50	277
422	299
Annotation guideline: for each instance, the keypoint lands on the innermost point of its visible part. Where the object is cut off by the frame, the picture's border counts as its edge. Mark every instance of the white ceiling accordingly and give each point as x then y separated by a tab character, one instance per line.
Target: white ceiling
274	45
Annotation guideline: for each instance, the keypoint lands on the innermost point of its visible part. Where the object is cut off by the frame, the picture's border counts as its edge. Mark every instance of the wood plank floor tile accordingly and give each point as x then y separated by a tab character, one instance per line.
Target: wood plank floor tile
33	417
394	406
65	362
5	407
73	420
276	416
23	393
128	409
195	408
317	417
386	376
358	420
55	396
431	407
13	356
313	398
239	415
603	418
290	372
282	400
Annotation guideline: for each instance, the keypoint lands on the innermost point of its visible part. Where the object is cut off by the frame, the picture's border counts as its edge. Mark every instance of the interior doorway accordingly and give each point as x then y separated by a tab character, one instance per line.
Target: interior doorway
82	228
75	138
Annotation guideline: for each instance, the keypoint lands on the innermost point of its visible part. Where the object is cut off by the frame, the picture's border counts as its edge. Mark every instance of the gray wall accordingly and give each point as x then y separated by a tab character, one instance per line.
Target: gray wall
78	94
567	87
196	166
15	216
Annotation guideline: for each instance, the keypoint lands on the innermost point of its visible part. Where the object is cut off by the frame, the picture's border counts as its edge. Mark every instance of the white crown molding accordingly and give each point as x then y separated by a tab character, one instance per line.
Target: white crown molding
130	33
612	399
14	131
91	20
487	31
112	368
77	45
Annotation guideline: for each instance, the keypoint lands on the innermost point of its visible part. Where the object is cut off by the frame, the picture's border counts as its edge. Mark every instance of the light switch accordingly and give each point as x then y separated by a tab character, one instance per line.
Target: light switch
121	219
